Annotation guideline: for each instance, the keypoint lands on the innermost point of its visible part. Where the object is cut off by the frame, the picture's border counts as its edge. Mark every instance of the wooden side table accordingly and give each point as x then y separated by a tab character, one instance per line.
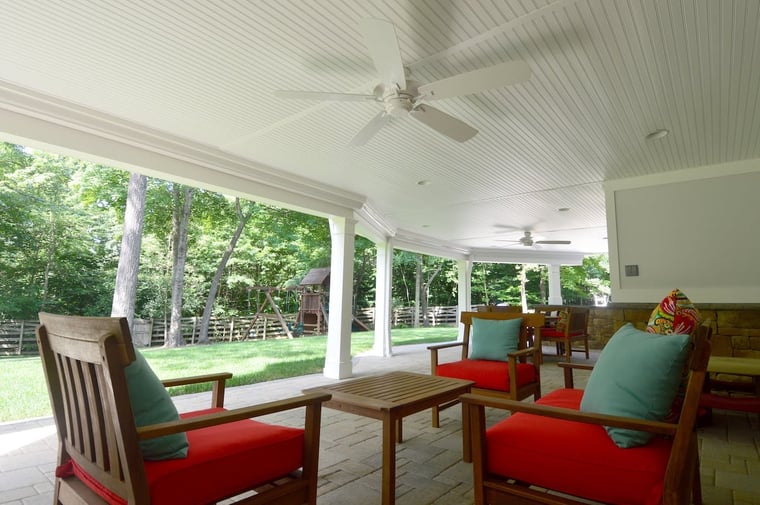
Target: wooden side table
390	397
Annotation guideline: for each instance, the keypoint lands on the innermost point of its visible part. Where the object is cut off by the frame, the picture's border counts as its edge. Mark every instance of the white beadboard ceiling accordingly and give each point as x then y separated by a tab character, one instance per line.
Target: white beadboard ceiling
604	74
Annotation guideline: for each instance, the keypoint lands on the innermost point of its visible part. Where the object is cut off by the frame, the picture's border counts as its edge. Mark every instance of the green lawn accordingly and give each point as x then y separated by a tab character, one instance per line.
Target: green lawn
24	395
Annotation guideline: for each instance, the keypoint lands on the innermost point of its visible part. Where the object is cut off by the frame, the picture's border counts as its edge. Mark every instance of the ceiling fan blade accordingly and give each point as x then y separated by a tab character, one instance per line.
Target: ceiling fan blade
497	76
443	123
559	242
323	95
382	43
369	130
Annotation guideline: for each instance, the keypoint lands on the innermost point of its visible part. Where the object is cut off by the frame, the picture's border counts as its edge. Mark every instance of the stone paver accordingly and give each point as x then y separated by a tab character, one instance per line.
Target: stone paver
430	469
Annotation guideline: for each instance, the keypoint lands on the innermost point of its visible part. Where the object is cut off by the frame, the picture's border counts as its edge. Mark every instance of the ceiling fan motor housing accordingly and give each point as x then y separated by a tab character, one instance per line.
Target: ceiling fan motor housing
398	102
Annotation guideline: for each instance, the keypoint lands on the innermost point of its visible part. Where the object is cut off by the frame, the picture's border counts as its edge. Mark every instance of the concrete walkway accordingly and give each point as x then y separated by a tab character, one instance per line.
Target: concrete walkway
430	469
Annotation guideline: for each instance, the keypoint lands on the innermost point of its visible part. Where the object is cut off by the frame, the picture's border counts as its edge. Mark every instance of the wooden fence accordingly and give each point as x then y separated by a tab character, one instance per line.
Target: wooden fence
18	337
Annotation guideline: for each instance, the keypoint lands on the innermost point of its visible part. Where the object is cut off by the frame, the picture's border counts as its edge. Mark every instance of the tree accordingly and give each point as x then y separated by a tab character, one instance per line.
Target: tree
183	203
242	220
364	273
125	288
430	274
52	241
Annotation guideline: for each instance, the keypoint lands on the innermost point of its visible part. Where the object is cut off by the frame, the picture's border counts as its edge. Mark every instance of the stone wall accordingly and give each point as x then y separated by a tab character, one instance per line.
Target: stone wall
736	328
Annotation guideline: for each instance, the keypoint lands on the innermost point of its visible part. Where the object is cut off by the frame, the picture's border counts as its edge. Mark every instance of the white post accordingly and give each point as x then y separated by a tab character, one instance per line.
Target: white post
464	290
338	358
555	287
383	278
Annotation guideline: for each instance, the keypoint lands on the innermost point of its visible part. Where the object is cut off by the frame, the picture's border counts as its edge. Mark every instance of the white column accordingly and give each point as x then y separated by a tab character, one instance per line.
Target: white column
383	281
338	358
555	287
464	290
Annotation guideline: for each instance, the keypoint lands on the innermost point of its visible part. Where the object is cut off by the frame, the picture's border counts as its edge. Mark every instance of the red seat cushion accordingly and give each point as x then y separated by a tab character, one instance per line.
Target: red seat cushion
222	461
576	458
487	374
553	333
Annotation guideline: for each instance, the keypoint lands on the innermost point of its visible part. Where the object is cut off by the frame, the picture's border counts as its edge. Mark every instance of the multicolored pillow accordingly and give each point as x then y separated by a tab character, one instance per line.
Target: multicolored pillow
674	314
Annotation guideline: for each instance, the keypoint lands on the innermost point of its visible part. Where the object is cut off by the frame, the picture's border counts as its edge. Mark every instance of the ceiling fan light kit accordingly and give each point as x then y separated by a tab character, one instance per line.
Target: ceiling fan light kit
406	98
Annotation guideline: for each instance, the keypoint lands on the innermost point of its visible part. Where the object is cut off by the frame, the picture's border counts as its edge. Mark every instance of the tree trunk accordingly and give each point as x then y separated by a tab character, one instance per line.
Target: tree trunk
125	290
426	295
523	281
359	274
242	220
417	292
174	338
542	283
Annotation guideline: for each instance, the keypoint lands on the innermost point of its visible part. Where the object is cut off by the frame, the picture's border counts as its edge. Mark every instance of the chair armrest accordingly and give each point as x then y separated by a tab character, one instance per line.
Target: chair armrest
522	352
434	353
445	345
568	371
533	352
219	380
310	401
630	423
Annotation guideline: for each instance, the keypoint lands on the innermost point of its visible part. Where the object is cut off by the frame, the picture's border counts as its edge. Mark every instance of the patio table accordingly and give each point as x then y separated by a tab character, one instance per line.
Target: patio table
390	397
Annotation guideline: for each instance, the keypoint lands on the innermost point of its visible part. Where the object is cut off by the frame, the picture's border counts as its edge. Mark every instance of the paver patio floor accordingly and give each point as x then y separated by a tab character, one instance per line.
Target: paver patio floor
430	468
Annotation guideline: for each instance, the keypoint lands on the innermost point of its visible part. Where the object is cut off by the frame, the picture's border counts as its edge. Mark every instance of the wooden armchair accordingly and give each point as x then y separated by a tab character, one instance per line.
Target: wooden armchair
106	455
516	376
572	325
554	447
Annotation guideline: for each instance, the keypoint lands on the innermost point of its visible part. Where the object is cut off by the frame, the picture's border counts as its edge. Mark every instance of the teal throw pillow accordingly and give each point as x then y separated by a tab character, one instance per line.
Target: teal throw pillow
151	404
493	339
637	375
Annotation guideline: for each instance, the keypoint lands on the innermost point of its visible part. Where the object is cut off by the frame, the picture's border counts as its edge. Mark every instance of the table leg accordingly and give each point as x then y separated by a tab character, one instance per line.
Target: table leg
389	459
466	435
399	430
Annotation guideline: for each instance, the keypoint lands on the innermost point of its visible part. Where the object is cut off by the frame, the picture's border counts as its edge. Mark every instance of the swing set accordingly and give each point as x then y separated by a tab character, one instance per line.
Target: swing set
312	313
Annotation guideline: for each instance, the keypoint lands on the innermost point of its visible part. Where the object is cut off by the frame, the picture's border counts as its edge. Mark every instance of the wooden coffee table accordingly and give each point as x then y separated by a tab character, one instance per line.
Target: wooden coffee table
390	397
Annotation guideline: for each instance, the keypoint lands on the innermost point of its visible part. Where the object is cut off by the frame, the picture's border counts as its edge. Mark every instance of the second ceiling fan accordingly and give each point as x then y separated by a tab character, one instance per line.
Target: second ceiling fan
528	240
403	97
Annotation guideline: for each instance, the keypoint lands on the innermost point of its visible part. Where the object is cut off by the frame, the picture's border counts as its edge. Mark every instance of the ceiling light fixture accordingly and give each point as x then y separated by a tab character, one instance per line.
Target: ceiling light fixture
563	209
657	134
423	182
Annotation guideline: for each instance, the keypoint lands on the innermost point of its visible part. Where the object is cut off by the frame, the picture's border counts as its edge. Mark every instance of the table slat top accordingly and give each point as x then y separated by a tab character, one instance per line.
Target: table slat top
392	389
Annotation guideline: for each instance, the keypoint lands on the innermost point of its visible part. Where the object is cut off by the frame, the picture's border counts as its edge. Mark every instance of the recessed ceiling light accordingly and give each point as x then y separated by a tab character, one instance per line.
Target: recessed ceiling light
657	134
423	182
425	226
563	209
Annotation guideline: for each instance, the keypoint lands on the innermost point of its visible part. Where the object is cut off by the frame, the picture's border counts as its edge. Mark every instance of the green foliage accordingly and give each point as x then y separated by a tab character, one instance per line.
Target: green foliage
55	244
580	283
442	289
494	283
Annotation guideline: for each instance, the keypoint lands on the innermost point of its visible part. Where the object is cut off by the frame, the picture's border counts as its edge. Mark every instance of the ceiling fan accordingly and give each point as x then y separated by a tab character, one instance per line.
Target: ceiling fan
527	240
403	97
